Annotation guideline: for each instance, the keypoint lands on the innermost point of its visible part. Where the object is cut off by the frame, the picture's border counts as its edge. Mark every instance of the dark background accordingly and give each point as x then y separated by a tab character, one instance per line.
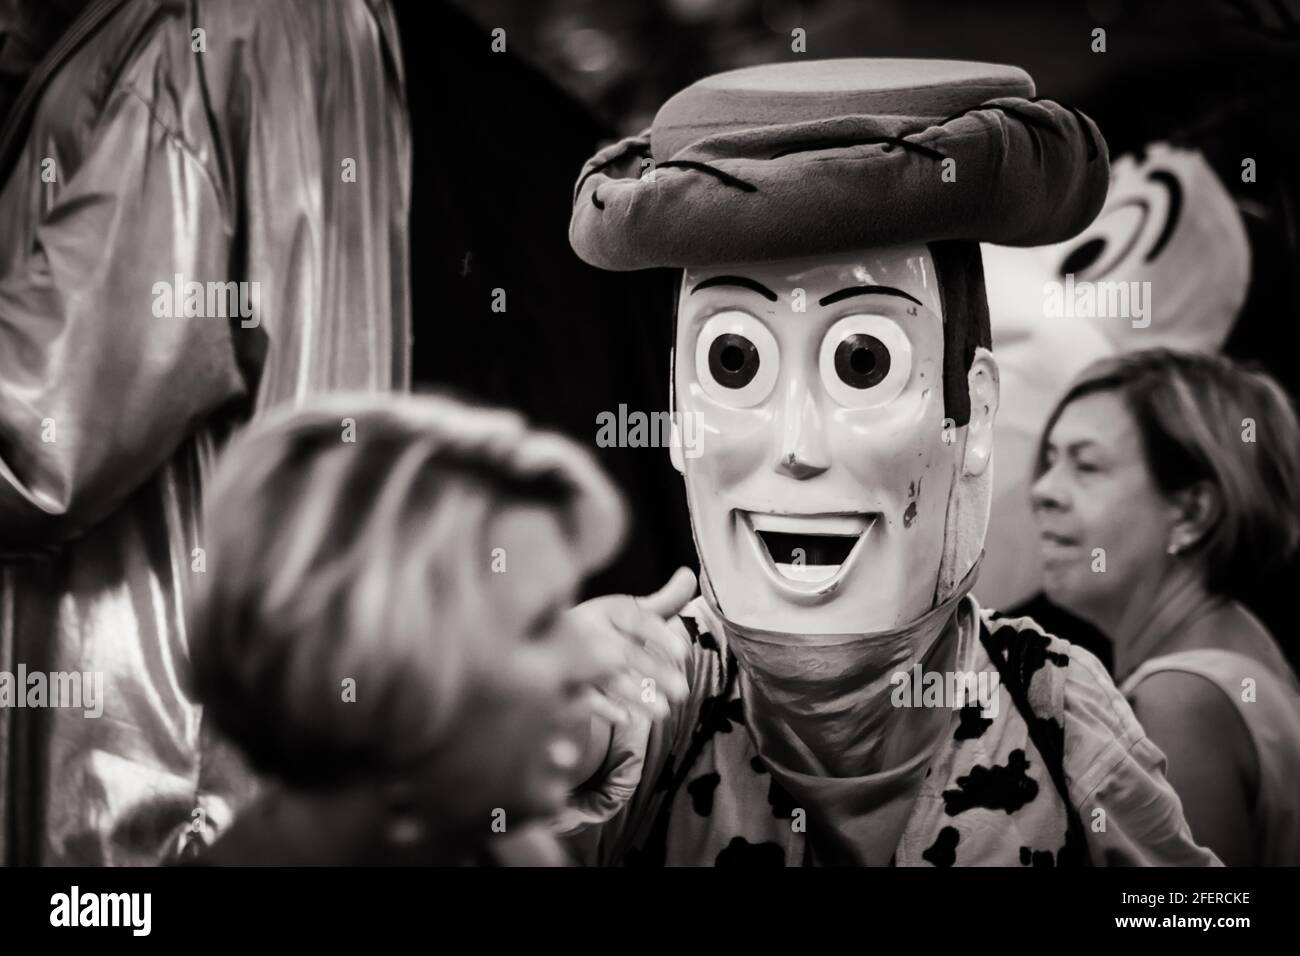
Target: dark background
500	138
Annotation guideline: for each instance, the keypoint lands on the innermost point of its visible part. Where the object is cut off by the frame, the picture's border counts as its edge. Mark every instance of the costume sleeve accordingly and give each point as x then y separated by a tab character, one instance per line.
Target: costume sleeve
1116	775
100	381
608	814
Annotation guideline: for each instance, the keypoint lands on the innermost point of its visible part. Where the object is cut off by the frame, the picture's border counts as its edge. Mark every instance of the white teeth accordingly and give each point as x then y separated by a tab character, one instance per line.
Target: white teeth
808	573
848	525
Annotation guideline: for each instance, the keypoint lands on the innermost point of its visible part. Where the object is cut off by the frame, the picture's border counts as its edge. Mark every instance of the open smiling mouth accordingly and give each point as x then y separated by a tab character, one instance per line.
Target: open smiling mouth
809	550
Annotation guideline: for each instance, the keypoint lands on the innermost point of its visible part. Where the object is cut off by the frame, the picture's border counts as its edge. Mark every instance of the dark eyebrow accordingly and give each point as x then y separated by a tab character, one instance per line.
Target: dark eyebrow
739	281
851	291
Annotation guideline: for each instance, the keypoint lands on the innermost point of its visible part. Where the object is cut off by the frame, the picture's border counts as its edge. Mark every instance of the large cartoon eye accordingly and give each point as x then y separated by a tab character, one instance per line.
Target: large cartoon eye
865	361
1134	227
736	359
1108	242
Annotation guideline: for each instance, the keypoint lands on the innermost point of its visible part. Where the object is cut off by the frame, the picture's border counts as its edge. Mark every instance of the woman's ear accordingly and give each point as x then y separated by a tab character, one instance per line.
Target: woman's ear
982	384
1197	510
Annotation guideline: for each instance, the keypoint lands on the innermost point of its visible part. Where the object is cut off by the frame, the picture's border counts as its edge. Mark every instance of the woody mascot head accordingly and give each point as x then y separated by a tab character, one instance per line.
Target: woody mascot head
832	341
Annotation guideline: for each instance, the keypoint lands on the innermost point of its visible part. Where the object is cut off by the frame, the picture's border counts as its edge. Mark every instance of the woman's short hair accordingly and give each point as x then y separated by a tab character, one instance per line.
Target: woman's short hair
348	541
1206	418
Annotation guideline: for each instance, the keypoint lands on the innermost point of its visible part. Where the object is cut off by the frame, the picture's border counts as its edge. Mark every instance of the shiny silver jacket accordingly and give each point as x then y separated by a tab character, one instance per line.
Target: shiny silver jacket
203	213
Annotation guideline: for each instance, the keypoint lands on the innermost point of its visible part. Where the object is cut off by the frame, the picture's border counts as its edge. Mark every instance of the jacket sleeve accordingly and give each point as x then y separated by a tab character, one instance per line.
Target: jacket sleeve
100	380
1116	775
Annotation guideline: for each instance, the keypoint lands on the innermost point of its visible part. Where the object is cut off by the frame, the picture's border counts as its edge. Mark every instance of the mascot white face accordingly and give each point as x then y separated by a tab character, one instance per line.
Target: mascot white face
820	487
1171	234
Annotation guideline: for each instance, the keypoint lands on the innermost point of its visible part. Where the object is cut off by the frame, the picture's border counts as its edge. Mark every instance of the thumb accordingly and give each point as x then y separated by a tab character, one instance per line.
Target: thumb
672	597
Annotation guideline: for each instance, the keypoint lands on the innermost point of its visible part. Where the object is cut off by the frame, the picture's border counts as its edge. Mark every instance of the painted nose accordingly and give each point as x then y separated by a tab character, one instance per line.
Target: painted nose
802	454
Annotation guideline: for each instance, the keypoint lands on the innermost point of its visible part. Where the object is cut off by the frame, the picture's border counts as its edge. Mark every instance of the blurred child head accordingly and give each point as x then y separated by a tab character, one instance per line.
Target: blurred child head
385	584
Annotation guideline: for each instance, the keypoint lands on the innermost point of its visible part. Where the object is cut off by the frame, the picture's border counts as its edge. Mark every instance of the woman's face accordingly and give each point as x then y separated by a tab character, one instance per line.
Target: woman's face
521	725
1103	524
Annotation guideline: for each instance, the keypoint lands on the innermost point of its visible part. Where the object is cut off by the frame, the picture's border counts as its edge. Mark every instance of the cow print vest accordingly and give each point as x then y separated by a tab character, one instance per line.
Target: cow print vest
992	794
